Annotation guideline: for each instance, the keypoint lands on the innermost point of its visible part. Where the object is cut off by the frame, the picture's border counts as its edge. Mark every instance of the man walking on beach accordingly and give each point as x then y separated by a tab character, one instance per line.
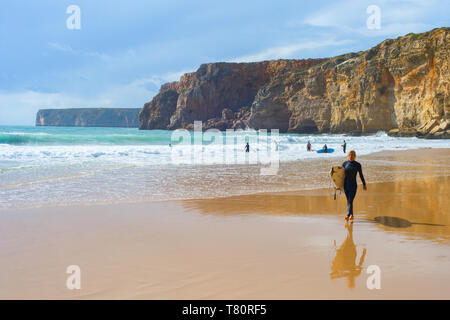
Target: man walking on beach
352	168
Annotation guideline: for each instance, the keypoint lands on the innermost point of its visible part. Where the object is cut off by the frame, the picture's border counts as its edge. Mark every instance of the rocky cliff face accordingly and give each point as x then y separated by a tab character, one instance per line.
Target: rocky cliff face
219	94
89	117
401	86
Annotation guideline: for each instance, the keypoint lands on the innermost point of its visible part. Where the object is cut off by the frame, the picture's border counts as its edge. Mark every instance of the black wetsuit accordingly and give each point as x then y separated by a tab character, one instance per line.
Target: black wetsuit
247	148
350	185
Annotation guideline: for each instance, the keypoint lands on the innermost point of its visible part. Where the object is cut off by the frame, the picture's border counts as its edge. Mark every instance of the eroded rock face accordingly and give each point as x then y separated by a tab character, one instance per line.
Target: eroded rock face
156	113
205	94
400	86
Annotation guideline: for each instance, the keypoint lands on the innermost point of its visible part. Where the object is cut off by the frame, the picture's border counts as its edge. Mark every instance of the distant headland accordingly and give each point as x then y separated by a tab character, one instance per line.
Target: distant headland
89	117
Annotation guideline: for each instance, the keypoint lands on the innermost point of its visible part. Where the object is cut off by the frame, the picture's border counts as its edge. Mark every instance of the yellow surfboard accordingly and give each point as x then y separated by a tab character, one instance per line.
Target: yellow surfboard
337	174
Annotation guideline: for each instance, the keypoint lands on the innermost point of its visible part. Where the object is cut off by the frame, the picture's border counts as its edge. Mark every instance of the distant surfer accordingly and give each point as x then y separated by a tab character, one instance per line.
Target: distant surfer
247	147
325	149
352	167
276	145
344	146
308	146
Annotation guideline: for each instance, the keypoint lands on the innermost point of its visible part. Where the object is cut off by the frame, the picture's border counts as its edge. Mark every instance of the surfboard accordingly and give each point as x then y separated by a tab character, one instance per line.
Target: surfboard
330	150
337	174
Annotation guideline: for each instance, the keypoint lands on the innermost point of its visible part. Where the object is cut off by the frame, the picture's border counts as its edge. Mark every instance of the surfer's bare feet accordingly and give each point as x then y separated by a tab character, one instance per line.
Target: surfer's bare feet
351	217
346	218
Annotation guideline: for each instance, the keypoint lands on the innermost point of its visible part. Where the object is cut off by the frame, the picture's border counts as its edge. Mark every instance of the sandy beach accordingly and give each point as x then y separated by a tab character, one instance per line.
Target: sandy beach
273	245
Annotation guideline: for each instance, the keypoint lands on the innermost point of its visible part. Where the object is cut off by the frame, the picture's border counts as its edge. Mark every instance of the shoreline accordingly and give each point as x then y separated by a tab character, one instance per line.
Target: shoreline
391	156
279	245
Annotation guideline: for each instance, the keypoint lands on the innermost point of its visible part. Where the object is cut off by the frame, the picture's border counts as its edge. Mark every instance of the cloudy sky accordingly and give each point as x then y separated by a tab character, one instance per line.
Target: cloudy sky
125	50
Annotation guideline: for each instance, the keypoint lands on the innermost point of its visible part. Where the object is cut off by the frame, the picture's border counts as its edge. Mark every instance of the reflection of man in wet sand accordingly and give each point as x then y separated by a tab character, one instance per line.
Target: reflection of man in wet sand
344	264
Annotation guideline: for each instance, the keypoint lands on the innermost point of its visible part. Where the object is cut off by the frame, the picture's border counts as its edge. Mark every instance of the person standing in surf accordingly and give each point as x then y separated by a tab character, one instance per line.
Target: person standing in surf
352	167
247	147
344	146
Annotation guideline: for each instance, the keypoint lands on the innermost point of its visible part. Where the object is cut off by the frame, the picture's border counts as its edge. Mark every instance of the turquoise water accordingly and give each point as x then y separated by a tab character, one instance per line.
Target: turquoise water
66	136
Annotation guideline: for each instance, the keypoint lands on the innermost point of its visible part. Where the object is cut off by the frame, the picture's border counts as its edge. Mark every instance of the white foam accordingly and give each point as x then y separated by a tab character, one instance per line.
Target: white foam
290	148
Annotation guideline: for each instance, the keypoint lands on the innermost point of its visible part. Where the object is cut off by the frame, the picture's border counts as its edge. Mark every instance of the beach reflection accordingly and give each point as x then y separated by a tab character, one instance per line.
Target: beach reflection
417	208
344	263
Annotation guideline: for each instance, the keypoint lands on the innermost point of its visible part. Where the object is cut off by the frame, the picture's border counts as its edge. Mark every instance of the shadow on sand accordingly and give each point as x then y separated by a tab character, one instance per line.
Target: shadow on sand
396	222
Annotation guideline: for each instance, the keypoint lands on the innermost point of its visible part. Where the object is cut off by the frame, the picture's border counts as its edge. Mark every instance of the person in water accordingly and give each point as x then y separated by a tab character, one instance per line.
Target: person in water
344	146
352	167
247	147
325	149
308	146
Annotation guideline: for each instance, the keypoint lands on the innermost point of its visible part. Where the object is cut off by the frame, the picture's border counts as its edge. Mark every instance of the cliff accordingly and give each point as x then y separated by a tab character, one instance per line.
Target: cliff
89	117
400	86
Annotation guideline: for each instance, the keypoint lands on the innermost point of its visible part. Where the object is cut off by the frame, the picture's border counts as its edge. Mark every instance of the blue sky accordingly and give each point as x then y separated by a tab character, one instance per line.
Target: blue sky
125	50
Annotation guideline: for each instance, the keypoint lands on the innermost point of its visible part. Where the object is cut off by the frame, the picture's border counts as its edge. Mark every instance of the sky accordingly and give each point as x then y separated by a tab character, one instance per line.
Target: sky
124	50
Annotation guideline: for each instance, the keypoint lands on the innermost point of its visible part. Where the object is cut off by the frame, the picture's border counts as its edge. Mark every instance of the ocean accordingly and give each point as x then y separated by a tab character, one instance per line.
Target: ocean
42	166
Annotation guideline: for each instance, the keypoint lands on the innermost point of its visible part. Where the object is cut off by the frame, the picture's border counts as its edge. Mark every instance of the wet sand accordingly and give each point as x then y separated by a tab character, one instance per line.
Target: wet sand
289	245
